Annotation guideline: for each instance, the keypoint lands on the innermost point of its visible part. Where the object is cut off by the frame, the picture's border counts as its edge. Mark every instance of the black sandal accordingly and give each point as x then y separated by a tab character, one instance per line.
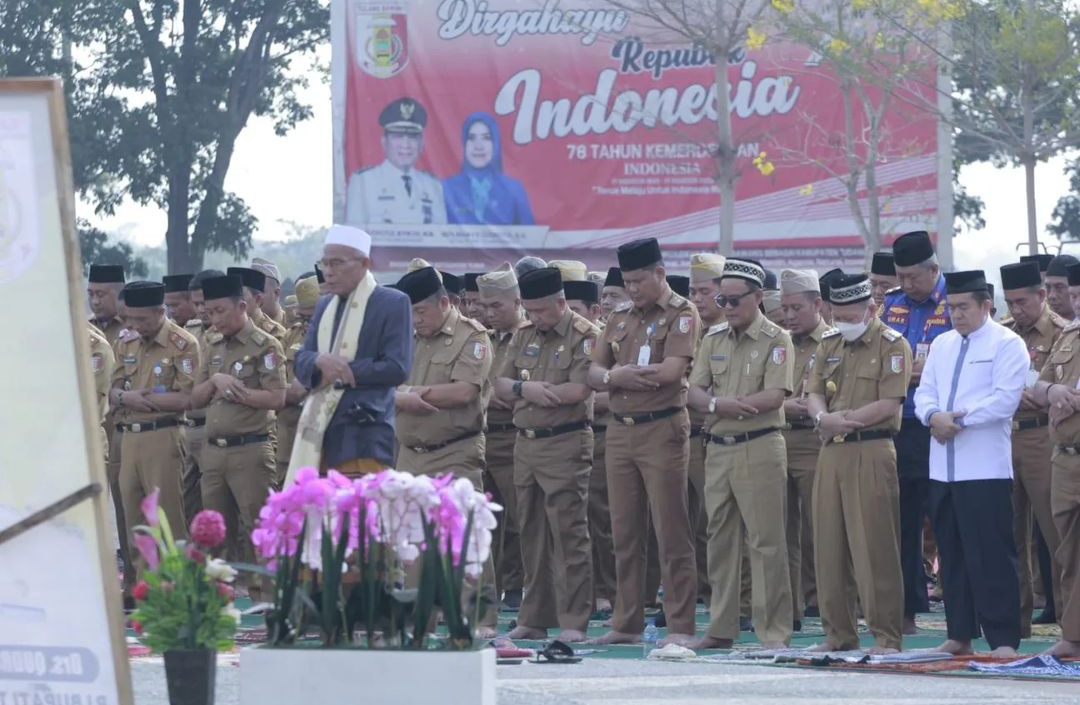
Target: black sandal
556	652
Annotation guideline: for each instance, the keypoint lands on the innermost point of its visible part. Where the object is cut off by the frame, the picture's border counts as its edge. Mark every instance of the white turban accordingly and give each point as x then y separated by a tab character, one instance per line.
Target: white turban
349	237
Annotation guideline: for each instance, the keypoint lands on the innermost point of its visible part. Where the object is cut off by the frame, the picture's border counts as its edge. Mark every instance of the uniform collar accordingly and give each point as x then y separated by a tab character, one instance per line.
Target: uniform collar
1045	322
665	301
162	336
400	172
817	332
245	333
450	323
936	296
754	329
563	326
981	331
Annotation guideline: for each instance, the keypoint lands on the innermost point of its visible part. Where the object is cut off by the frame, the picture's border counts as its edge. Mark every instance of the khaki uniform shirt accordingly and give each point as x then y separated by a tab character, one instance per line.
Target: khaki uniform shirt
102	364
740	364
111	328
558	356
294	341
500	345
280	318
165	363
253	357
875	366
1063	367
669	328
196	328
268	325
459	352
1040	339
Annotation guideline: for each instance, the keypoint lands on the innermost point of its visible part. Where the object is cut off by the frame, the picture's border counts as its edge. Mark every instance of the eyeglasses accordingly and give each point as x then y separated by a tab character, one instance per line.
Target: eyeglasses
730	301
336	262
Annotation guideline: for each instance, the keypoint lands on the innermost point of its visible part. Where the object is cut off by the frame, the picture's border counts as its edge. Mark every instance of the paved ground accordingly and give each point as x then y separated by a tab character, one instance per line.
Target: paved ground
630	682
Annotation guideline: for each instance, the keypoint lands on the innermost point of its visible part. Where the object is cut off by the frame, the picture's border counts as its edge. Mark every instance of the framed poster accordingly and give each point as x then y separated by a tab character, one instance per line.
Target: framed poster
61	623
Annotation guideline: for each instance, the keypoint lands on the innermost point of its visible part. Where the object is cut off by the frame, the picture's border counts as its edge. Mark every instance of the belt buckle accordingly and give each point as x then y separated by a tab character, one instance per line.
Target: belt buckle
728	440
420	449
529	433
840	438
221	442
136	427
1069	450
628	421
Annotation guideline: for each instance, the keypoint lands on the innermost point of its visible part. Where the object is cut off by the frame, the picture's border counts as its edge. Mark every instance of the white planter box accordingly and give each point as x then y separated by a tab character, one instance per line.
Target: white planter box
361	677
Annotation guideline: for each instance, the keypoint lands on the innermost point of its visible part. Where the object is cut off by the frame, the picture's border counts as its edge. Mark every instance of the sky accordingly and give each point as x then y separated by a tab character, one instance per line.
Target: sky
288	179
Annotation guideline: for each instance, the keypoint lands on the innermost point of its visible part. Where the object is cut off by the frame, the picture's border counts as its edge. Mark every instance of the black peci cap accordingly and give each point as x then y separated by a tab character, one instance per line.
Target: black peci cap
1057	267
176	282
252	278
968	282
847	289
882	264
1043	260
1073	272
106	274
614	278
540	283
451	282
1020	275
824	279
639	254
770	283
142	294
588	292
912	248
421	284
469	281
229	286
679	284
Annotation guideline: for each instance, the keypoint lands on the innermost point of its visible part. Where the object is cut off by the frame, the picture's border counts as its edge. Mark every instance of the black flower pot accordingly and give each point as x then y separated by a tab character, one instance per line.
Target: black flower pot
190	674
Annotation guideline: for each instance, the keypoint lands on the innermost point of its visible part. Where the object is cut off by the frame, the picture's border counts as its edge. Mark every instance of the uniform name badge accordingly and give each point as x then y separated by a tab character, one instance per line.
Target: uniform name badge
644	355
922	350
158	386
1031	378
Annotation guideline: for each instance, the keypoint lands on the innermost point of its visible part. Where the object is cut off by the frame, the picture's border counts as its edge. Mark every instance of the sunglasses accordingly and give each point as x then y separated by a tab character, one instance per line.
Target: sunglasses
730	301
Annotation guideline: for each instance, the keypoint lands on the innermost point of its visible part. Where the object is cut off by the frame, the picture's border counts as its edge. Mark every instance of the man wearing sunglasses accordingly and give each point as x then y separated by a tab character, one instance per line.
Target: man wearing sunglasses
742	373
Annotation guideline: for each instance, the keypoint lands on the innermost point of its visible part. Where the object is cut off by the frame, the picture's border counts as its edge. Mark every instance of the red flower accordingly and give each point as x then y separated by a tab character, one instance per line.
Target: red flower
208	528
140	591
226	592
137	626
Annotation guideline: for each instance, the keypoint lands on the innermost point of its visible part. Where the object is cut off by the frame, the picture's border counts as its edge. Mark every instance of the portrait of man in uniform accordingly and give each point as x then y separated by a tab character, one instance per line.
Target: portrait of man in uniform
396	191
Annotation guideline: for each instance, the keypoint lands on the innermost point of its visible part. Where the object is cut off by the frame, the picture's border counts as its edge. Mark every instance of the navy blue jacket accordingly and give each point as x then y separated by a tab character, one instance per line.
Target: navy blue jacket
363	424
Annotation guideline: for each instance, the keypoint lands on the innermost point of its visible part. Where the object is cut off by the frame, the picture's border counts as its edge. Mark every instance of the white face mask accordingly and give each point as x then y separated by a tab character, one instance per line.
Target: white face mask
851	331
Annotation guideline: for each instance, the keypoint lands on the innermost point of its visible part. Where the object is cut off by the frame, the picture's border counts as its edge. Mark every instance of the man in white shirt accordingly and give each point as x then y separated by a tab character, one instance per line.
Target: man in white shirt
970	389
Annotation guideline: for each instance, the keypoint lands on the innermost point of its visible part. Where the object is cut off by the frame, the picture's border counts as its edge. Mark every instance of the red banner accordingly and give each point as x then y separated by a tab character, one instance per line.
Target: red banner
471	132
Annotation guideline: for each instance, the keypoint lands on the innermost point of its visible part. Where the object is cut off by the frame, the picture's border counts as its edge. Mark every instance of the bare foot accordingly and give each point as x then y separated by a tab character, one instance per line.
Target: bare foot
881	650
602	604
773	645
686	640
1065	649
523	632
570	636
711	642
825	648
614	637
909	626
1004	652
956	648
483	632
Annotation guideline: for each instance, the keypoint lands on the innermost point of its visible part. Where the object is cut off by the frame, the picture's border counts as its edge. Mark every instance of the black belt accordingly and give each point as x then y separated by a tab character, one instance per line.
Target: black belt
438	446
1069	450
147	426
696	431
857	436
554	430
646	418
800	426
597	428
1026	424
233	441
500	427
739	437
195	423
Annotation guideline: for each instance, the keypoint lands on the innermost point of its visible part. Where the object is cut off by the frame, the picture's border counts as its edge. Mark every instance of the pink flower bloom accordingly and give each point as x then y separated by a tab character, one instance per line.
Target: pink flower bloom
140	590
226	592
149	507
148	548
208	528
195	554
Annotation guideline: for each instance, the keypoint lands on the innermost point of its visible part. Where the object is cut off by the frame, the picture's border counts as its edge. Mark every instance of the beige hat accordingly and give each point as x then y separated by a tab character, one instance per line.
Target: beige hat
307	292
290	301
416	263
571	270
597	278
498	282
798	281
770	300
266	267
706	266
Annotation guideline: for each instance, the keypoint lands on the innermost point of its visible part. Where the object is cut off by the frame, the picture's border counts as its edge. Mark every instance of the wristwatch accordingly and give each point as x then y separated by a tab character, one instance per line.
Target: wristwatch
817	418
606	379
712	405
517	388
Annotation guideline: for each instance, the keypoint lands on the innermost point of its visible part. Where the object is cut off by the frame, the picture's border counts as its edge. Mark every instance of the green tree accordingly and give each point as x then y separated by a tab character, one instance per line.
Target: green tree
158	92
1066	216
98	248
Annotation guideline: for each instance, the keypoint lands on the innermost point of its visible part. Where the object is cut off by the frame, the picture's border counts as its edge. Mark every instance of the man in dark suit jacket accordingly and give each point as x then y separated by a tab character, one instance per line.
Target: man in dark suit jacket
360	435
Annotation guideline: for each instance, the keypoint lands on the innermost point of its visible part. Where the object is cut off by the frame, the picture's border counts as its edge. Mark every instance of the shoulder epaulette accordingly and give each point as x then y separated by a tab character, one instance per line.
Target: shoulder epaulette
178	340
624	306
677	301
829	333
258	337
475	324
214	337
128	336
770	329
582	325
1058	321
889	334
194	323
893	290
718	328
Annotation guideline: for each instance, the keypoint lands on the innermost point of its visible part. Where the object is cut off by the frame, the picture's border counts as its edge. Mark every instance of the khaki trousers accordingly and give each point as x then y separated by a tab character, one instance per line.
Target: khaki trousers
464	458
646	466
552	480
803	447
1032	477
696	504
287	421
499	481
192	439
857	534
603	550
747	484
149	460
236	482
1066	505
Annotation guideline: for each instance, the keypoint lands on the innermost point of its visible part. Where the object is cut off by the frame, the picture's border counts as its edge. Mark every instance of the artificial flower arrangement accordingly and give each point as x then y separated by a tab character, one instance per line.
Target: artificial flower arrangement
378	556
185	600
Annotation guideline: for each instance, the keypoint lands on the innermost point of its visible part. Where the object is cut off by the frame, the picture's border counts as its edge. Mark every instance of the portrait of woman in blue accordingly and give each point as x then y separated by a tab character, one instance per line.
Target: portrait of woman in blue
481	193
